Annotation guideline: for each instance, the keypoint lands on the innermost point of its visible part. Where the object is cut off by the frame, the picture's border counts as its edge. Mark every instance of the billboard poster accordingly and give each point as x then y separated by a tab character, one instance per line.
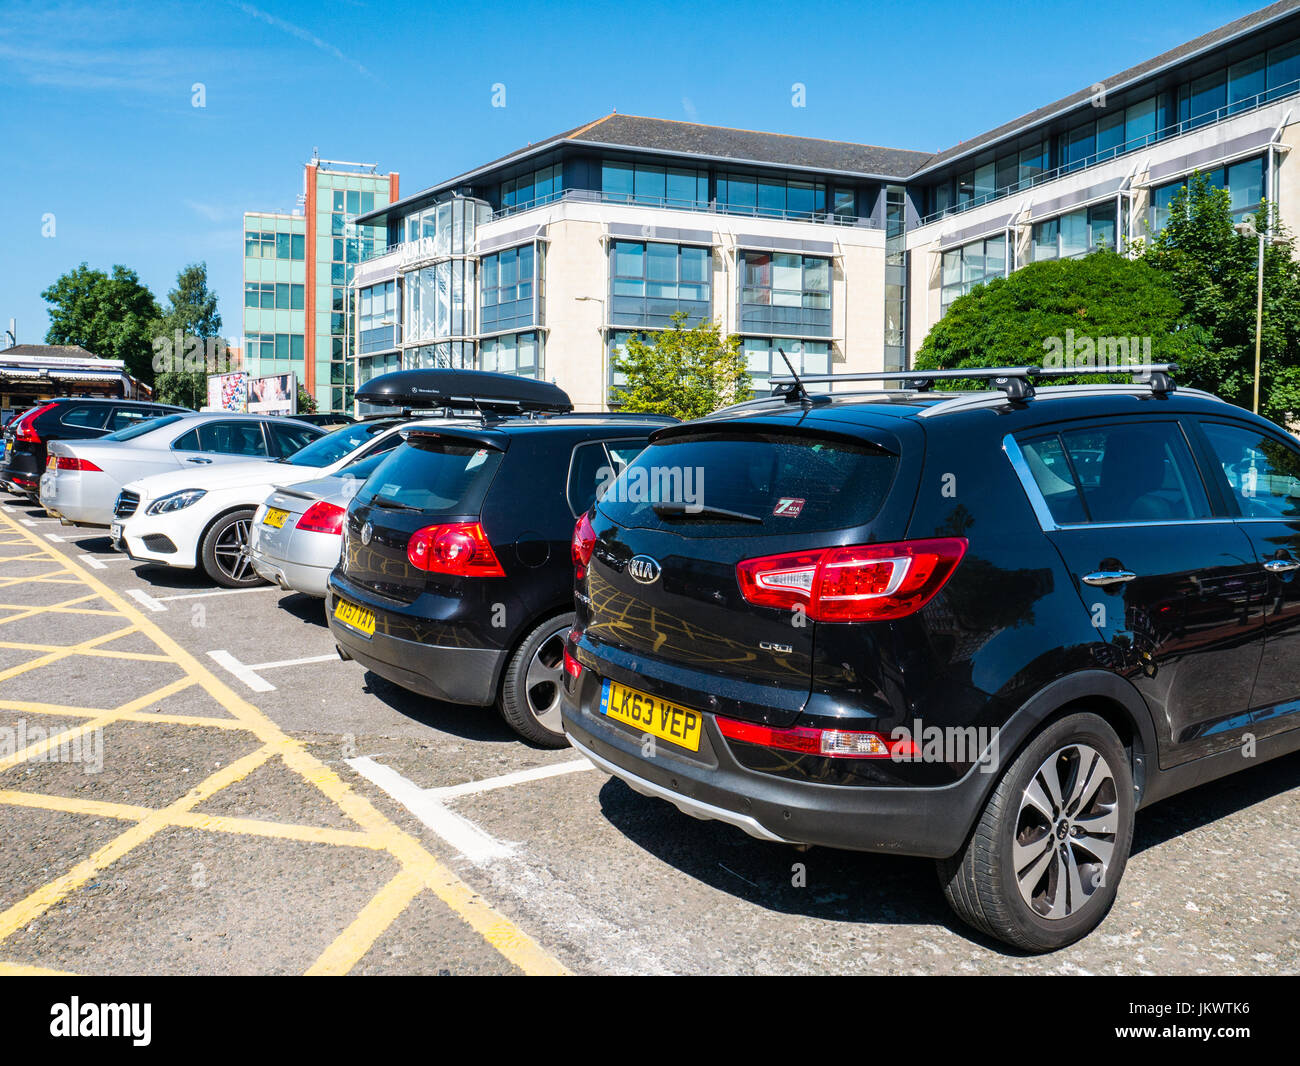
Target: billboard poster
228	392
275	394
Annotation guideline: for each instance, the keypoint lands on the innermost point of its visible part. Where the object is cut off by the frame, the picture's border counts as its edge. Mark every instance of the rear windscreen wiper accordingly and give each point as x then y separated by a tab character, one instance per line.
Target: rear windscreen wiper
390	505
666	509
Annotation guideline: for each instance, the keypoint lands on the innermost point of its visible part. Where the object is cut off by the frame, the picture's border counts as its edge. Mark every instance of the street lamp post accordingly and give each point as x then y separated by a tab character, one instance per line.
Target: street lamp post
1247	229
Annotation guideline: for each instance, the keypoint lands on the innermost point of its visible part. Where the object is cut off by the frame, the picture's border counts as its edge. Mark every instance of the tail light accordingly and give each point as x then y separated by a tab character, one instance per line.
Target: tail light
68	462
584	543
23	430
864	583
322	517
831	743
458	548
571	665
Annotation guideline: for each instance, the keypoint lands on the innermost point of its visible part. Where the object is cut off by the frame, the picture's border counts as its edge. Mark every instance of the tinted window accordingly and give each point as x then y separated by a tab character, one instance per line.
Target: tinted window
589	470
1263	474
1135	472
126	417
322	451
362	468
436	475
87	416
141	428
225	438
290	440
788	484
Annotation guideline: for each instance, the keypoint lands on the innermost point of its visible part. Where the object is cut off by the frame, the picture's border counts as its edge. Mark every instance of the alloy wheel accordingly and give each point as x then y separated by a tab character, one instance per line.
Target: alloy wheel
542	680
231	550
1065	831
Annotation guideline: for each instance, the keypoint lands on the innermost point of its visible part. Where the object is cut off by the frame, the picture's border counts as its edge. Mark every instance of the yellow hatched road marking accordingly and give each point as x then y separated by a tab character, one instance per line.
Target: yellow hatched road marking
419	868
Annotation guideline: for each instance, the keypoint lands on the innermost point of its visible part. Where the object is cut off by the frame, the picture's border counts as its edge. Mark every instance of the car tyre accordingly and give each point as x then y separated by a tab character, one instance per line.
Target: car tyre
533	683
224	551
1043	864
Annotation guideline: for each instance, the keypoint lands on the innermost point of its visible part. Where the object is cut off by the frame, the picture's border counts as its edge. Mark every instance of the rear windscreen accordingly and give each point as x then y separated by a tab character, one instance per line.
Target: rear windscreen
141	428
723	485
434	475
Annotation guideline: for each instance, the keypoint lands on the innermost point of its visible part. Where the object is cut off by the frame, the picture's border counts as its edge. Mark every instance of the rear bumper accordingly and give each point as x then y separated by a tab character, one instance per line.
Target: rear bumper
927	822
291	576
441	672
69	497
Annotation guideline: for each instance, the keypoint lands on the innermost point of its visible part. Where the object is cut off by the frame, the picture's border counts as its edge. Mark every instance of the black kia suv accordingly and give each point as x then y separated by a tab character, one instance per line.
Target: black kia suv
980	627
65	418
455	579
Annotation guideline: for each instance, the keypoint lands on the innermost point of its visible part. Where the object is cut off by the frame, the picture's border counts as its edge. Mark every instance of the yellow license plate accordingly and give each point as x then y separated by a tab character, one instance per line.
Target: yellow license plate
667	721
274	518
354	616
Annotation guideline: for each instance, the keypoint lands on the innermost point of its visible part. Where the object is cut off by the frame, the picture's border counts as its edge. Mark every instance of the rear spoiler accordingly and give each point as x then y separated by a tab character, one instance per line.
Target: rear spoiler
865	436
482	436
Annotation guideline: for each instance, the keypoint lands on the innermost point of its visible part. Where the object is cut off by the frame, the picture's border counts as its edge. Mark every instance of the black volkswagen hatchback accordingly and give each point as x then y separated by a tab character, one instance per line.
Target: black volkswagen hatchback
456	579
984	628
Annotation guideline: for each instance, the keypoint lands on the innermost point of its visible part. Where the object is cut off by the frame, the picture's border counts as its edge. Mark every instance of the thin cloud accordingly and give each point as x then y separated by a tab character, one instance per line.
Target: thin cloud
302	35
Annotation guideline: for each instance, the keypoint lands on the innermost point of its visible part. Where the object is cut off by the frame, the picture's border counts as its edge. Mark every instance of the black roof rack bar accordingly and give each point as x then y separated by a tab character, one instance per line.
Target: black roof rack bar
1012	380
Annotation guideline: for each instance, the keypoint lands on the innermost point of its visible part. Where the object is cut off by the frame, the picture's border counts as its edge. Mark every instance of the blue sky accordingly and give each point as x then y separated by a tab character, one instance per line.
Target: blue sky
97	127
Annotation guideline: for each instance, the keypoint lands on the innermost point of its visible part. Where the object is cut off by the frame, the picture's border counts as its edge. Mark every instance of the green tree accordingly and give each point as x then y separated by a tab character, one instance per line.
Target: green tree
1102	306
306	402
191	314
1214	272
681	371
109	315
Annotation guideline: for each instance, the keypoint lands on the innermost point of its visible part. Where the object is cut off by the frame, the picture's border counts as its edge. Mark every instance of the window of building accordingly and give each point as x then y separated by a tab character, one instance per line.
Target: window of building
783	293
377	316
650	282
1244	182
275	345
970	265
637	183
770	196
438	301
509	282
532	189
513	353
764	360
1076	233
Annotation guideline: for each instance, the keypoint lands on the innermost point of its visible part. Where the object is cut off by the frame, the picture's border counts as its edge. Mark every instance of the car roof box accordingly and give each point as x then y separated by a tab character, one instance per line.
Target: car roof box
480	390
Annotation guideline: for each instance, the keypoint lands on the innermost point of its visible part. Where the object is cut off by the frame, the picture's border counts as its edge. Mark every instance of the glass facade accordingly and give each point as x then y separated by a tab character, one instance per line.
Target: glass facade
377	317
775	197
533	189
784	293
652	281
1129	122
895	277
970	265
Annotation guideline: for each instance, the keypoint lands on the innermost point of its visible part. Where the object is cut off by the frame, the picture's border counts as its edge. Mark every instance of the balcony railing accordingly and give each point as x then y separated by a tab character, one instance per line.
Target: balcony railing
1239	107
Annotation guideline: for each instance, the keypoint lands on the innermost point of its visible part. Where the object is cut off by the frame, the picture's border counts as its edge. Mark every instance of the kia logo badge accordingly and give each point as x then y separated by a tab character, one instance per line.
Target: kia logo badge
643	569
366	532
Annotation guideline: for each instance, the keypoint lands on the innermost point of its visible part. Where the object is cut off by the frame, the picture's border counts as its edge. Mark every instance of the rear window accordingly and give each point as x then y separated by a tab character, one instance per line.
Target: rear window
87	416
435	475
770	483
141	428
322	451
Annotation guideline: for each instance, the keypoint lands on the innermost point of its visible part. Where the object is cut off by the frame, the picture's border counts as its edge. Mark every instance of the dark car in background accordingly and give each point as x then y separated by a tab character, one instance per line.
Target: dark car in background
456	576
982	628
67	418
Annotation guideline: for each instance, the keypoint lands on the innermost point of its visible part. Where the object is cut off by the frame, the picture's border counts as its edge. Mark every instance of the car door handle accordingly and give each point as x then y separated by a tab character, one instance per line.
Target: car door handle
1281	566
1109	577
197	459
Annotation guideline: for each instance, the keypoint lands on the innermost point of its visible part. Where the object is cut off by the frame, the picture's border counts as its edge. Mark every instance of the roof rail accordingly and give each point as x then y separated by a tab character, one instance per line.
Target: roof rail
1015	381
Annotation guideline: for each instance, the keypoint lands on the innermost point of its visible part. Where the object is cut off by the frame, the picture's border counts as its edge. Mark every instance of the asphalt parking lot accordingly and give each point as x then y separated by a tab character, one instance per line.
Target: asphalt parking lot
191	781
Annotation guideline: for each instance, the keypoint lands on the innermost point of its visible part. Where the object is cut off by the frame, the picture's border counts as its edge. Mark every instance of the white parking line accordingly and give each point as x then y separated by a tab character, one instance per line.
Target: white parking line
537	773
462	834
159	603
27	521
217	592
248	672
54	537
92	562
142	597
